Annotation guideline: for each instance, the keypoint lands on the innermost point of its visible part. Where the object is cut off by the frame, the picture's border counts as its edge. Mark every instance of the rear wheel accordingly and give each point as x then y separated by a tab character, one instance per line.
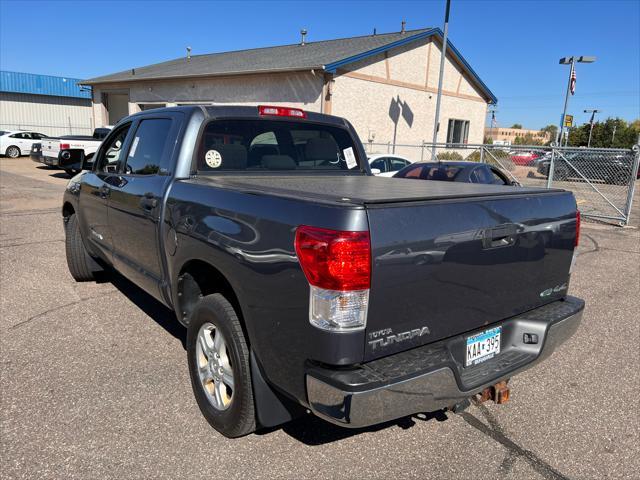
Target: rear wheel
81	265
13	152
218	358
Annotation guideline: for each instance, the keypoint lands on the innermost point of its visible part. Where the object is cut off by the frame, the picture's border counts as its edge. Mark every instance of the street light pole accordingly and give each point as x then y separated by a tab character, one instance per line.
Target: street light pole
572	62
593	116
436	125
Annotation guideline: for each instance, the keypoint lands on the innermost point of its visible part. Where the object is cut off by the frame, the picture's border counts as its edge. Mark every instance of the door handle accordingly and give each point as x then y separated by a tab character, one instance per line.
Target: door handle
104	191
149	201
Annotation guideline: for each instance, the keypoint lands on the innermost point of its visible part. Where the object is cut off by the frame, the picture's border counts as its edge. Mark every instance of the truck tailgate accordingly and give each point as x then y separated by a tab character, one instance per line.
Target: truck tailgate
50	147
455	266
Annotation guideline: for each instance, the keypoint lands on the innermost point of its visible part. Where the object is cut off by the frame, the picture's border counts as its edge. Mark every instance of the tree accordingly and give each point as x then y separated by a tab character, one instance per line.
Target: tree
552	130
517	125
487	140
626	134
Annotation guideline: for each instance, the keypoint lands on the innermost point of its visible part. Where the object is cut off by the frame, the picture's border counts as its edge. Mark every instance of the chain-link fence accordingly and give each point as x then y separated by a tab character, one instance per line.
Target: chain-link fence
602	180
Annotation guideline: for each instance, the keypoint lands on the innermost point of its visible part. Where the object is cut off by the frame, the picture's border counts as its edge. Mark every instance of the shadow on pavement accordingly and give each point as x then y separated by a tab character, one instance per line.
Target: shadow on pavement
314	431
162	315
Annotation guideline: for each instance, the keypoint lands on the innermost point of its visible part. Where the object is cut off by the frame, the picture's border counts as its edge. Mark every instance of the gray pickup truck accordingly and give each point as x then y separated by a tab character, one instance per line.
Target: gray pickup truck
306	283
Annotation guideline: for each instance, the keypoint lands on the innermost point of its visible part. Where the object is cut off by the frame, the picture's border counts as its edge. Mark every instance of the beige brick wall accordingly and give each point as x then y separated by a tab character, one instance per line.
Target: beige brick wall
364	94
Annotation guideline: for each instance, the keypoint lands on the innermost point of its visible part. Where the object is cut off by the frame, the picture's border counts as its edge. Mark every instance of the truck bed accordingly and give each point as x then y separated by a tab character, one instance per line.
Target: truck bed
361	190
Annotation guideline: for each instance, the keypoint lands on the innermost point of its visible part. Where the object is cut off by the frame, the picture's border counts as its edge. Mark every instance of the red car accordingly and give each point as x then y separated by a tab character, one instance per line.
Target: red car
524	158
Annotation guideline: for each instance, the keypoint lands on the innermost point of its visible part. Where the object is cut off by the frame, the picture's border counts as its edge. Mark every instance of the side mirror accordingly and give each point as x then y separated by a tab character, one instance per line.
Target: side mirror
86	163
376	171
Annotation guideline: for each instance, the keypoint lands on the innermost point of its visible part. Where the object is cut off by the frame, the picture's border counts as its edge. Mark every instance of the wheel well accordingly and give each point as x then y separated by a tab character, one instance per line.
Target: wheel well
67	210
197	279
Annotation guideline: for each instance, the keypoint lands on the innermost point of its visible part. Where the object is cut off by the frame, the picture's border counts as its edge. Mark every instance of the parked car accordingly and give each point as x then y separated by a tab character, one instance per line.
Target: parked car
386	165
305	282
68	152
524	158
466	172
17	143
594	166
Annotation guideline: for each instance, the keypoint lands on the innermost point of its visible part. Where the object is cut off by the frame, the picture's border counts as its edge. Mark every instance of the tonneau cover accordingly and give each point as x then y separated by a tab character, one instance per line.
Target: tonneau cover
360	189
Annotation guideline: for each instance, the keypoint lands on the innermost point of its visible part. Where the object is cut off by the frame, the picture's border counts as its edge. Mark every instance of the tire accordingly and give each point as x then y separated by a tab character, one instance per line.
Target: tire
214	320
79	261
13	152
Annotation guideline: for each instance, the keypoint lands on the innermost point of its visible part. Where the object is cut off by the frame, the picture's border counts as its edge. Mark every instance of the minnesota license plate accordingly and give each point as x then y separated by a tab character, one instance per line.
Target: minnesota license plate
483	346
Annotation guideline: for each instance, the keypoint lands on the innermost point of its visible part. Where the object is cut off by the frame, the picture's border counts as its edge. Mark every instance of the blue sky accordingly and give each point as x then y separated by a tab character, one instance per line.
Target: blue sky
513	45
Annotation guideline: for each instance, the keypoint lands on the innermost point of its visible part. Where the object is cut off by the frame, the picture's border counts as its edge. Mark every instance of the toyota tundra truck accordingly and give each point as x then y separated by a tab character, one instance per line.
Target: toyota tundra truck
305	283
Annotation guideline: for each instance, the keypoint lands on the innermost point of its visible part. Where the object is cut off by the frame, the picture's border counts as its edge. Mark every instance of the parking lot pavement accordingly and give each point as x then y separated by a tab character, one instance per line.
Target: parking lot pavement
94	382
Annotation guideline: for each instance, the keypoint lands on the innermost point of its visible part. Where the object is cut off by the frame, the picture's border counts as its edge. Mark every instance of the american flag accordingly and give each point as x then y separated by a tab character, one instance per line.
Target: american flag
572	85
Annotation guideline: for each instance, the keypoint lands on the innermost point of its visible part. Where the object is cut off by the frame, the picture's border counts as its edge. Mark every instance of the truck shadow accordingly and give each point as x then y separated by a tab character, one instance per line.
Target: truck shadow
314	431
160	314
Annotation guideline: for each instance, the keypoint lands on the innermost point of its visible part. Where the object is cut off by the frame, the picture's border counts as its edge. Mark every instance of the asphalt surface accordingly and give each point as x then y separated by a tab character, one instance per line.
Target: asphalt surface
94	382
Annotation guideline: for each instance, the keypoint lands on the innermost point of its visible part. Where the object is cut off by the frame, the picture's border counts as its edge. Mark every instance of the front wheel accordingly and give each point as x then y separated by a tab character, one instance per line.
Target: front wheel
79	261
13	152
218	358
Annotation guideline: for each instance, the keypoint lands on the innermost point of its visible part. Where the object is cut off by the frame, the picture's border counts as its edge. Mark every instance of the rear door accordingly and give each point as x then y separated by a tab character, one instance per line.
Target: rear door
135	202
457	265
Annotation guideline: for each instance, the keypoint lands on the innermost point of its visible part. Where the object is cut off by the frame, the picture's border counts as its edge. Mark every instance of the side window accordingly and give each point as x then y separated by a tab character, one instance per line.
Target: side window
18	135
397	164
146	154
497	178
380	164
112	151
480	175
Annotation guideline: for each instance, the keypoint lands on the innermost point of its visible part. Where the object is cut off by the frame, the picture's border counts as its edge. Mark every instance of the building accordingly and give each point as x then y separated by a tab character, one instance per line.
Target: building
46	104
509	135
384	84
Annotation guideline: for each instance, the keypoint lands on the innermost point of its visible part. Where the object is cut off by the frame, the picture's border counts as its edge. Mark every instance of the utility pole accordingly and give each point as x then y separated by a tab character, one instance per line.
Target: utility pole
613	137
494	123
593	116
436	125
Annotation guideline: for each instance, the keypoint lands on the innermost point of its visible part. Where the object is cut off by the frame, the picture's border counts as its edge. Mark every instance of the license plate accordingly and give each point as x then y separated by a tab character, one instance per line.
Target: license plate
483	346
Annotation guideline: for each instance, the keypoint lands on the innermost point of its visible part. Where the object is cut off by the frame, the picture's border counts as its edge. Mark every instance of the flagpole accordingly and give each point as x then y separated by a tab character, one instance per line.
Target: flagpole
566	102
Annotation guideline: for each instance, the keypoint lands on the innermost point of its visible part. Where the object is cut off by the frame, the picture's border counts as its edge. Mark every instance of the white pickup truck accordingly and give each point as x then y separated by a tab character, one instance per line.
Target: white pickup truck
67	152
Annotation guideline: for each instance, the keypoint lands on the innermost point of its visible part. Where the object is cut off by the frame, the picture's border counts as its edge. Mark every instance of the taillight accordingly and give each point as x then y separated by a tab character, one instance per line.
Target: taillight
65	146
337	265
281	111
577	229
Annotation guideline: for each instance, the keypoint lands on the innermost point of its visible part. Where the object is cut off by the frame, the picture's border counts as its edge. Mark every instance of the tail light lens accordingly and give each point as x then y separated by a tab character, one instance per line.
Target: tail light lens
337	265
64	146
577	229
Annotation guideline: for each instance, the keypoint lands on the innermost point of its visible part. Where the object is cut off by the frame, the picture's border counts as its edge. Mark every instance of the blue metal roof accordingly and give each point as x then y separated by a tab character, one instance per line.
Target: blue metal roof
18	82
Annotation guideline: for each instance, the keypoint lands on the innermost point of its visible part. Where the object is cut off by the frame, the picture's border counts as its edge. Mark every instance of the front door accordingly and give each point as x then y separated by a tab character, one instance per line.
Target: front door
135	204
95	190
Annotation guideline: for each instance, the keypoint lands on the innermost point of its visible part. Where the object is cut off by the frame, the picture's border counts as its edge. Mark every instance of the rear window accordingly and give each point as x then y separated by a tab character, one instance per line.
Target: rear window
271	145
432	171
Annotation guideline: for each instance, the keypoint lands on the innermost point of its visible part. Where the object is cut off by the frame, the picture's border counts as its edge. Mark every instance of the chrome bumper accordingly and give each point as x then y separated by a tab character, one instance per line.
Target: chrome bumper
344	398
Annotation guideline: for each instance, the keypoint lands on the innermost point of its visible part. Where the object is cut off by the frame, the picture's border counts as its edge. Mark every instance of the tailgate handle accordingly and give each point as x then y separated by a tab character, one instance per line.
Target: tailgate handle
500	236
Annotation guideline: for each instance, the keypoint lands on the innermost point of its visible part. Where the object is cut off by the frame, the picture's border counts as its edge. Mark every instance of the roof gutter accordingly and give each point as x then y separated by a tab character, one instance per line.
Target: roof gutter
139	78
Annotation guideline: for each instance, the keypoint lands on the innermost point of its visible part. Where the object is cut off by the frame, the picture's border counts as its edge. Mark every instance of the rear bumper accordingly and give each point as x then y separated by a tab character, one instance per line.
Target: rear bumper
432	377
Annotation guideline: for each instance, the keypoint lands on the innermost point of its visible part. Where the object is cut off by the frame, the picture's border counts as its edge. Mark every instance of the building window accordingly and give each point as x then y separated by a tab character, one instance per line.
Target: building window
458	131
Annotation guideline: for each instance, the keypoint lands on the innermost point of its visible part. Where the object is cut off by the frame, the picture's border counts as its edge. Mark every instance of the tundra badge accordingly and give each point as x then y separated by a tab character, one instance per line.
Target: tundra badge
395	338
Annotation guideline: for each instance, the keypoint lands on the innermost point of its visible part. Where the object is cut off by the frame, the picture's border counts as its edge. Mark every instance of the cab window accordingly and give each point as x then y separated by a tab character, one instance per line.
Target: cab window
112	151
146	153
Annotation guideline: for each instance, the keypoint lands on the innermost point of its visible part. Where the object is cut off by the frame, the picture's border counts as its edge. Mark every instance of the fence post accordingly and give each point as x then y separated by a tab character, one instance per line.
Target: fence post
482	154
422	151
552	164
632	186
